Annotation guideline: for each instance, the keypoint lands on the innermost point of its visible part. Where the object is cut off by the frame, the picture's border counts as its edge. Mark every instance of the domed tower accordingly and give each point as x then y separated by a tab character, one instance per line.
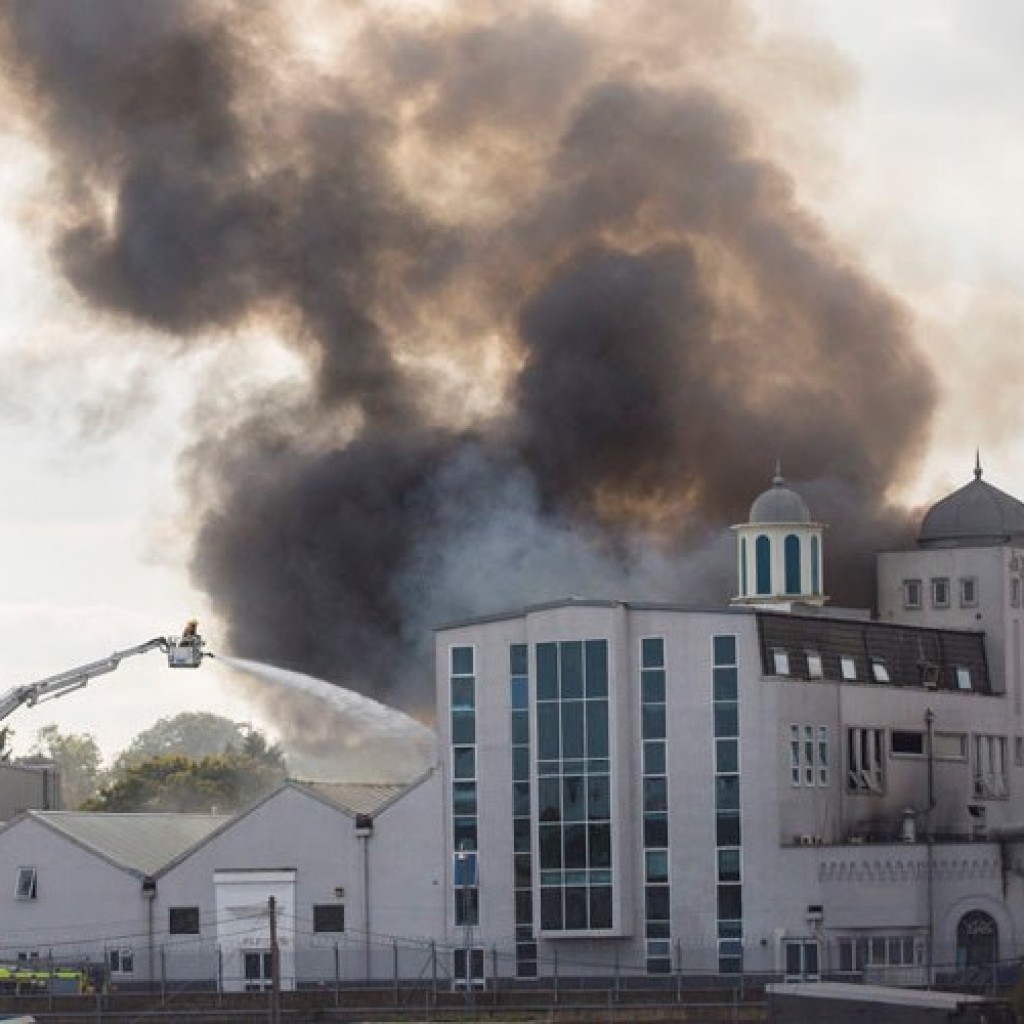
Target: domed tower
779	551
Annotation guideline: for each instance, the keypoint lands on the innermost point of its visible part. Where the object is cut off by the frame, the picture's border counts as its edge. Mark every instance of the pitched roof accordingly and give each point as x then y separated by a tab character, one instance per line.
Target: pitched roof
356	797
141	843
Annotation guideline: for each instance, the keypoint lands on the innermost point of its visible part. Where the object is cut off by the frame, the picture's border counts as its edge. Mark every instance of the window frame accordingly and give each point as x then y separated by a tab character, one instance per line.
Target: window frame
29	890
780	661
968	600
912	587
940	591
322	913
848	668
180	919
906	733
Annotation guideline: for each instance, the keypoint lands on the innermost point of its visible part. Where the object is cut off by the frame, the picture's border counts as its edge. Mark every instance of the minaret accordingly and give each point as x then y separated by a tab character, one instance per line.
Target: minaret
779	551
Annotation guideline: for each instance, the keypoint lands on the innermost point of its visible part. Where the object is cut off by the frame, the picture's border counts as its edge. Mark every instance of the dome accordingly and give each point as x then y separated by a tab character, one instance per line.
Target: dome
779	504
976	514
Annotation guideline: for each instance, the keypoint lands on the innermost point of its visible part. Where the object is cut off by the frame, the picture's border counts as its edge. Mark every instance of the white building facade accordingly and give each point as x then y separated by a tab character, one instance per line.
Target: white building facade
771	786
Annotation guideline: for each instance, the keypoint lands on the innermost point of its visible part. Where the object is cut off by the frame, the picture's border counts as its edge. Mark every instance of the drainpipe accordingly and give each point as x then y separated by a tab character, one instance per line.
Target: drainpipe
149	895
364	831
929	721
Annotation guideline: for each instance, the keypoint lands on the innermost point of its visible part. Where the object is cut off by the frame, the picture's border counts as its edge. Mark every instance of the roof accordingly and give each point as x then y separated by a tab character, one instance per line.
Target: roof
886	995
141	843
779	504
976	514
356	797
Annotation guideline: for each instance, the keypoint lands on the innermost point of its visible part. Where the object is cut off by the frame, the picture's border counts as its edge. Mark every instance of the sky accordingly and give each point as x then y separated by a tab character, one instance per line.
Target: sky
900	125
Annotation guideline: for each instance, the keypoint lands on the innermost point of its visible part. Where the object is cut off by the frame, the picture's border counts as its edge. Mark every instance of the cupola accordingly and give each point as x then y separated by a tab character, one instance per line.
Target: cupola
779	550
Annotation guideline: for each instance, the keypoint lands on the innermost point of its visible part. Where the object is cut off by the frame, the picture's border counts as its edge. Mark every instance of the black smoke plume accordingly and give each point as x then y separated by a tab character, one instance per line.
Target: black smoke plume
561	310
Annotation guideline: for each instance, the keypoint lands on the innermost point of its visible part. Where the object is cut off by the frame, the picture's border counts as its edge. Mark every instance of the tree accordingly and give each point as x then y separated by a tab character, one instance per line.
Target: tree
222	783
77	757
195	734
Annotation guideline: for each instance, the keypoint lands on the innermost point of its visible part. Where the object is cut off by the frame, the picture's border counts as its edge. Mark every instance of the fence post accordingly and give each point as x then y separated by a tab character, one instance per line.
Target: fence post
615	977
49	990
433	969
679	971
494	975
337	975
554	969
163	975
220	974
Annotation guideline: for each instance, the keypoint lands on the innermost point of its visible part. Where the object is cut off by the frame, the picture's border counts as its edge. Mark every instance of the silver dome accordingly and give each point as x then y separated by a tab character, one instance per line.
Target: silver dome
779	504
976	514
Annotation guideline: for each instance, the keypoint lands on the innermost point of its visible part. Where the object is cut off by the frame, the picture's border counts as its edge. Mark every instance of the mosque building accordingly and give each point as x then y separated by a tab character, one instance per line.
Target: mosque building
774	785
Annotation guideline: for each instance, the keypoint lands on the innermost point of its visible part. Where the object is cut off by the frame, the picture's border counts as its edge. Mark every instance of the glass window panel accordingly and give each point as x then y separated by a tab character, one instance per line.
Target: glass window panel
547	731
464	762
573	798
599	798
730	929
657	930
572	728
729	865
463	727
652	652
524	909
727	828
730	965
655	794
725	683
549	806
652	718
520	728
575	847
727	756
600	906
596	655
518	660
463	693
523	932
464	797
521	799
521	835
725	650
576	907
522	869
519	693
652	686
656	865
547	671
730	902
656	903
550	847
571	664
727	792
600	845
655	830
520	763
462	661
727	722
464	833
597	728
551	908
654	758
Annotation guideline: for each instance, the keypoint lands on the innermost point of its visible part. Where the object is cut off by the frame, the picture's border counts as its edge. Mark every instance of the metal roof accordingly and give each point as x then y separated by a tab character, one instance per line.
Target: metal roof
142	843
356	797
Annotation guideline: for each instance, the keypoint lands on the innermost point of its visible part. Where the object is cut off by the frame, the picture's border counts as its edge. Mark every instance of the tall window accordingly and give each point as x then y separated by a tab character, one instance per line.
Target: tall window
464	760
990	779
763	557
26	885
912	594
808	755
574	786
815	566
792	555
729	888
655	803
864	773
940	592
522	851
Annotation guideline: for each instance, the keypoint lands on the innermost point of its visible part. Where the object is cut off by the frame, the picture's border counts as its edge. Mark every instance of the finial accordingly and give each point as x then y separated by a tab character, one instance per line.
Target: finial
778	479
977	463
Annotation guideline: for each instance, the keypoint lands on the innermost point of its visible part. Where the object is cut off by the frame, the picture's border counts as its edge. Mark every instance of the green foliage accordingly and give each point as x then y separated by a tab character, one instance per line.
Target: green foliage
195	734
77	757
223	783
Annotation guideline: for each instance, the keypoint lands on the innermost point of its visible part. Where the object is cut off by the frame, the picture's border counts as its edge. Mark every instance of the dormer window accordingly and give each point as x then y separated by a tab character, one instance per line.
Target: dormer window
848	667
880	671
963	678
912	595
940	592
814	667
780	660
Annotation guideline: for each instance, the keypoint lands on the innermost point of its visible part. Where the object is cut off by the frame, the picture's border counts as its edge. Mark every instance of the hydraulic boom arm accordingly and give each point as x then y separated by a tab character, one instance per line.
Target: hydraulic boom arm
185	651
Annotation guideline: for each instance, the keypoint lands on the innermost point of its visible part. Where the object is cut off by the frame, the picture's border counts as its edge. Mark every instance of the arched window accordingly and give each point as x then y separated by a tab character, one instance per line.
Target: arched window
977	940
792	552
815	567
763	554
743	566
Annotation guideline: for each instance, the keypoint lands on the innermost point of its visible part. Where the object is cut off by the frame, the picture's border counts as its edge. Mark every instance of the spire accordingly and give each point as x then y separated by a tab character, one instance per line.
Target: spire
977	463
778	479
